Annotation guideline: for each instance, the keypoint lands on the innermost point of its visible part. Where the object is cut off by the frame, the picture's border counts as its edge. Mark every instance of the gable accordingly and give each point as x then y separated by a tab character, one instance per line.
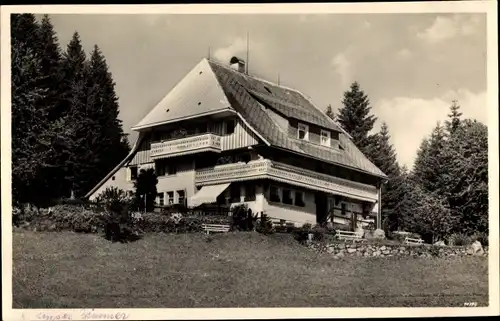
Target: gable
198	93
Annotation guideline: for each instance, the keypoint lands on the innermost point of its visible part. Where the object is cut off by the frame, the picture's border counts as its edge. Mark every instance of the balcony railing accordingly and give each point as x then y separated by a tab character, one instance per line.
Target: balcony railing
186	145
287	174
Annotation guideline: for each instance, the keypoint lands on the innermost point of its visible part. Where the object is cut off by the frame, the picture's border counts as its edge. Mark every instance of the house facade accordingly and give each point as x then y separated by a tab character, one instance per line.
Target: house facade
221	136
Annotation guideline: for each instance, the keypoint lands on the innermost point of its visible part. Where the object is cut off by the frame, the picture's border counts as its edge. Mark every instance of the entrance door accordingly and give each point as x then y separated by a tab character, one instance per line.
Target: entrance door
321	207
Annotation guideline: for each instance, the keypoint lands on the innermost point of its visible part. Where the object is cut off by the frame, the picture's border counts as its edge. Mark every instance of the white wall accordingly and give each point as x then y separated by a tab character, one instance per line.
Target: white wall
182	180
118	180
296	214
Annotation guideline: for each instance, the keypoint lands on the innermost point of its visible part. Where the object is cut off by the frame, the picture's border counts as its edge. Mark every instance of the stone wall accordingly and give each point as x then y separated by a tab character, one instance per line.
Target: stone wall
340	249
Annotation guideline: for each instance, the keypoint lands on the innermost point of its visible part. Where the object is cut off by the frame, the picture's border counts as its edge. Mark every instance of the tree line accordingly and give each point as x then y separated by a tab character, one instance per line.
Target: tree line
446	191
66	134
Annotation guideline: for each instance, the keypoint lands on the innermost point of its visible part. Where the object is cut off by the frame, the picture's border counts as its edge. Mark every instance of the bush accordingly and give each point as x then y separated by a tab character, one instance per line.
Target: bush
434	250
243	218
113	194
265	225
302	234
481	237
459	239
319	233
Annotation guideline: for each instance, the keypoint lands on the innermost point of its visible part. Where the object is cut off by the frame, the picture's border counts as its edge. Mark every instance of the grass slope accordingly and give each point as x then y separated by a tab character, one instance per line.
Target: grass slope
68	270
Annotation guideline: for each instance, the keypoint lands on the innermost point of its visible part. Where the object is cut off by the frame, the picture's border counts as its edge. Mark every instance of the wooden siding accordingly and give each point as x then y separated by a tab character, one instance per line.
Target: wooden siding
242	137
142	156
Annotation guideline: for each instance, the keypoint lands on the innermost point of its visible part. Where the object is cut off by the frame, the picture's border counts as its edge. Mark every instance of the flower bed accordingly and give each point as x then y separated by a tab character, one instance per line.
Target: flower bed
92	220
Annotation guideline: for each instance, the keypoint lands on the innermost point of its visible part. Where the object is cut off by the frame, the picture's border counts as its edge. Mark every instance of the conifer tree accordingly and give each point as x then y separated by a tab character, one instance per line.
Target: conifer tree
354	116
467	176
384	157
454	121
50	55
430	162
74	104
30	143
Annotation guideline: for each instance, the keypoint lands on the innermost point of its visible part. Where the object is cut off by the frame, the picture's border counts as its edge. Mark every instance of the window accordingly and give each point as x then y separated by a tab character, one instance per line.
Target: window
181	197
230	125
343	209
299	199
325	138
162	168
161	199
250	193
133	172
170	198
303	132
171	169
234	193
275	194
287	196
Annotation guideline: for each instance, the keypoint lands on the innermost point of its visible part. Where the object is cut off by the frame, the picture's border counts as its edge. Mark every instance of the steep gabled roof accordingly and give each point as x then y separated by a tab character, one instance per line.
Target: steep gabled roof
248	94
196	94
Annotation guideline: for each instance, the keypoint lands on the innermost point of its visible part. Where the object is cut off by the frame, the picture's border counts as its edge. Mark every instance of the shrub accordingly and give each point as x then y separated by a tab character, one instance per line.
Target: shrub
119	225
319	233
265	225
481	237
459	239
434	250
113	194
243	218
302	234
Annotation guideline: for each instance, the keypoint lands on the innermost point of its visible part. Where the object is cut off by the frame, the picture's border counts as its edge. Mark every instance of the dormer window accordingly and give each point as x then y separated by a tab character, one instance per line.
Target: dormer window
303	132
325	138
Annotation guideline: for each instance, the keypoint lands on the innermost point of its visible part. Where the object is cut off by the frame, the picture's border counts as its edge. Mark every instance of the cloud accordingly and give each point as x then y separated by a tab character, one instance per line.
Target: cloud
410	119
343	67
444	28
238	46
404	53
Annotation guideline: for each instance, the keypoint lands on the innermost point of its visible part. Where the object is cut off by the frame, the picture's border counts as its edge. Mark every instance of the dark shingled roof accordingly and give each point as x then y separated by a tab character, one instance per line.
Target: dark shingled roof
248	95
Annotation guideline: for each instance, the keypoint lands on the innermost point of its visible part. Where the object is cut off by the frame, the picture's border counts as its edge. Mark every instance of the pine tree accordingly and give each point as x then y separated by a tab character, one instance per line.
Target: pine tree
74	158
467	179
30	144
430	162
355	116
454	121
104	137
329	112
50	54
383	156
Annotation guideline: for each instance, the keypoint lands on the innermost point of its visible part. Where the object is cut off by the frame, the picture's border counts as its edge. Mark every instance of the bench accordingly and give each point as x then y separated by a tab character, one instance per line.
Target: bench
348	235
214	228
409	240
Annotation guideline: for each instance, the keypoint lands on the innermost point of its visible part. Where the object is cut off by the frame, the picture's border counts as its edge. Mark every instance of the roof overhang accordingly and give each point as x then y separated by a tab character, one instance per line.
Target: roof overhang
219	112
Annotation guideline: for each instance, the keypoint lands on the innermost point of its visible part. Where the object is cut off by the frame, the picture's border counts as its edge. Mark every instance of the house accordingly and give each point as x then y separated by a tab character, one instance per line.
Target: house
225	137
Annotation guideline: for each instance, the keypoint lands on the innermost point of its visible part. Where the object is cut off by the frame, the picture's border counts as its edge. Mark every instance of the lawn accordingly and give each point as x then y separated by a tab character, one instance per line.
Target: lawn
69	270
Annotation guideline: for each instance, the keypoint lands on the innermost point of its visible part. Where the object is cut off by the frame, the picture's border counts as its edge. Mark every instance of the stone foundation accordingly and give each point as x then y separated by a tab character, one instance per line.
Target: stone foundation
341	249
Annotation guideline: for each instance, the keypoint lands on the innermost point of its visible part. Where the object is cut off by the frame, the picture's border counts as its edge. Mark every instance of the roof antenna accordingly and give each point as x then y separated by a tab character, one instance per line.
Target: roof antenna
247	52
208	52
278	78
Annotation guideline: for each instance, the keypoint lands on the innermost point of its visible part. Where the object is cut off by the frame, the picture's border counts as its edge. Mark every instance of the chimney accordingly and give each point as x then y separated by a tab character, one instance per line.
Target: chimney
237	64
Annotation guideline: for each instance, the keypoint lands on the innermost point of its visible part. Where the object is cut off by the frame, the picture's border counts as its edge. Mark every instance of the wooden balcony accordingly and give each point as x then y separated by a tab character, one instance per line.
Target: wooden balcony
266	169
186	145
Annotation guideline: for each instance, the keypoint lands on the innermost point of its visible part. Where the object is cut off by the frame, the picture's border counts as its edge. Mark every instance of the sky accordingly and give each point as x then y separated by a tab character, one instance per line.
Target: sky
411	66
